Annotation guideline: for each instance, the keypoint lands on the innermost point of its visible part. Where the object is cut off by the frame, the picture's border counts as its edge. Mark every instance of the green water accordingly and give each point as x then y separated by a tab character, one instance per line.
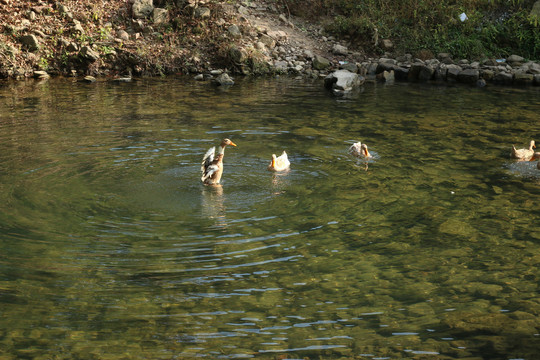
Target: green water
112	249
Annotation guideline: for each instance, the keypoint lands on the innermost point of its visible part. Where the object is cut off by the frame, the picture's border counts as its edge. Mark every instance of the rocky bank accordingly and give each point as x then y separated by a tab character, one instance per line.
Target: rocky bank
211	40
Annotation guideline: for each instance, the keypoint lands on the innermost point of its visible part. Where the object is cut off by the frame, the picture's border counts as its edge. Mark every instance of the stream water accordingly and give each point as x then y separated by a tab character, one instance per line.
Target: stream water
111	248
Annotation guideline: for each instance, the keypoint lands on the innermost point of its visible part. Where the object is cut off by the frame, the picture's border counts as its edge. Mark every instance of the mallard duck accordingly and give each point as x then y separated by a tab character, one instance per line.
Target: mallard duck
279	163
360	150
523	154
212	165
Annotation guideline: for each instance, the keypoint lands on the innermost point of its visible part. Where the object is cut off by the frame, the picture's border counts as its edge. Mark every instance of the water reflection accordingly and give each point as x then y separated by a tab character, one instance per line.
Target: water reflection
213	205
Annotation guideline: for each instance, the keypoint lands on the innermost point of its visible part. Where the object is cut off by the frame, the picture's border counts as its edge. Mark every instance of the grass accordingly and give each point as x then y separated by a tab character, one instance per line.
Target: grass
494	28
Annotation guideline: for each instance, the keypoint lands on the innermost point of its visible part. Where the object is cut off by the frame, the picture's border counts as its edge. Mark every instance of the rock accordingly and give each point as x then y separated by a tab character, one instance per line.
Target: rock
237	55
40	74
88	54
320	63
341	81
350	67
122	35
420	72
523	79
534	68
514	59
386	76
223	80
30	42
468	76
480	83
268	41
199	77
77	27
281	66
536	82
401	73
338	49
535	11
142	8
234	30
487	74
89	79
503	78
387	44
160	16
452	72
202	12
384	66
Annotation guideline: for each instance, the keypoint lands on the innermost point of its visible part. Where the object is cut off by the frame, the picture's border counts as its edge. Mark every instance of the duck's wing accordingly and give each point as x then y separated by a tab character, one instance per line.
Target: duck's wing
208	158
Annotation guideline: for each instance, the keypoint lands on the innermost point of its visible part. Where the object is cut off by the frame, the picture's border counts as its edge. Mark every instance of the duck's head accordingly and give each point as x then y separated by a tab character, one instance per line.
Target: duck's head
533	145
364	150
226	142
273	163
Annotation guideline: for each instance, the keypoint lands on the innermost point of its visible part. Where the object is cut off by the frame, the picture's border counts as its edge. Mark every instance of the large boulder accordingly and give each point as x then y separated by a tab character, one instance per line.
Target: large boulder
142	8
343	81
160	15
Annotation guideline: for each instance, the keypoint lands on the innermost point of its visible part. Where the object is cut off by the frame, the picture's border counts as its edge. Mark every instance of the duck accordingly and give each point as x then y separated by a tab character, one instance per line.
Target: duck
212	165
279	163
360	150
523	154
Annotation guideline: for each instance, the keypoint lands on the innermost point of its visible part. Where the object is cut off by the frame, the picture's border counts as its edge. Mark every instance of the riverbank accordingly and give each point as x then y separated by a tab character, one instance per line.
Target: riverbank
119	39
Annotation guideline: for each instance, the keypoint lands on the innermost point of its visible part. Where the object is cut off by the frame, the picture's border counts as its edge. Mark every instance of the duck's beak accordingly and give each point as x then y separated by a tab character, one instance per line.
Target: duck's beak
273	162
233	144
366	153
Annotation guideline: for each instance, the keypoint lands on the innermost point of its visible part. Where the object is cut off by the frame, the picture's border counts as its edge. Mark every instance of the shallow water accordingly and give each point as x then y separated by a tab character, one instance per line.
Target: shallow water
111	248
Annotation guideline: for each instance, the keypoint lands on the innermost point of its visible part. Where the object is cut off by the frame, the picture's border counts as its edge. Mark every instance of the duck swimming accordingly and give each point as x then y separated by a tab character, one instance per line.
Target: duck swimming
359	150
523	154
279	163
212	165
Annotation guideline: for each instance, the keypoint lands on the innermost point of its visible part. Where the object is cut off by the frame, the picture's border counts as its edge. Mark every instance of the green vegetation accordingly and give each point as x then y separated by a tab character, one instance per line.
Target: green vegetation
494	28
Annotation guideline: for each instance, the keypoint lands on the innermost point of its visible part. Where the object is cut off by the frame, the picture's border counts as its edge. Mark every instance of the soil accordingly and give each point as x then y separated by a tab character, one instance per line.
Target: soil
104	39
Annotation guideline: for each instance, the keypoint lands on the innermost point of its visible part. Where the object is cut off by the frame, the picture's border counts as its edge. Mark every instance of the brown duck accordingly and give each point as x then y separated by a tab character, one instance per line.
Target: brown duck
212	165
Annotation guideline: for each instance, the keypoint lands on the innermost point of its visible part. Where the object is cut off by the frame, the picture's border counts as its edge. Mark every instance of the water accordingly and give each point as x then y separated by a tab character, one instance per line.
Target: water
111	248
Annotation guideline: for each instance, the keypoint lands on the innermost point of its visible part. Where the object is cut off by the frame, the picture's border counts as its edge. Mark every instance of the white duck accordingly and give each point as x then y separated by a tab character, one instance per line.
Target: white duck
523	154
359	150
279	163
212	165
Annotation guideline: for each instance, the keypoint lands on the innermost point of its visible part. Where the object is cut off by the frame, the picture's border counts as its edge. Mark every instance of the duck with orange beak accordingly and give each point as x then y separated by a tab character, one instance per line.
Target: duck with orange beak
212	165
280	163
523	154
359	150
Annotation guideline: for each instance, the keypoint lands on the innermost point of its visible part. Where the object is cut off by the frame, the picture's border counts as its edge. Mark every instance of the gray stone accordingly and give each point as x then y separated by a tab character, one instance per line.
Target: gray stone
237	55
224	80
281	65
523	79
72	47
199	77
487	74
503	78
452	72
387	44
268	41
88	54
401	73
30	42
202	12
420	72
142	8
514	59
320	63
536	81
350	67
468	76
234	30
386	76
338	49
77	27
160	16
535	11
122	35
341	81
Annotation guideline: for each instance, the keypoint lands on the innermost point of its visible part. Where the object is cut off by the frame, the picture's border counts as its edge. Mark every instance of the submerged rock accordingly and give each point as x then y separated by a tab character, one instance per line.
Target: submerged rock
224	80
